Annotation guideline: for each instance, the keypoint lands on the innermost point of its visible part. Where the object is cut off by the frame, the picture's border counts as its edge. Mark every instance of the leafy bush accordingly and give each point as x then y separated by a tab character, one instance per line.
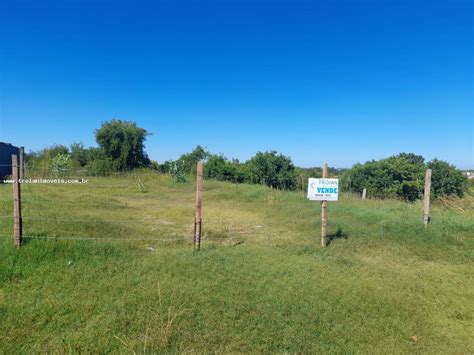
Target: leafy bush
154	165
446	180
81	156
220	168
177	171
304	174
60	164
40	163
402	176
187	162
267	168
184	165
100	167
272	169
121	147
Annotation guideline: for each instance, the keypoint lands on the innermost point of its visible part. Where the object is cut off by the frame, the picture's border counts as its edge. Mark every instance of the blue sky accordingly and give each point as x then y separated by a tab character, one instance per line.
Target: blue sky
336	81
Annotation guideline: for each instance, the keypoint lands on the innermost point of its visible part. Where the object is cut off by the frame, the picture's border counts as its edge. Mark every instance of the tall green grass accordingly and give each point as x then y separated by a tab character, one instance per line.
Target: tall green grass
261	282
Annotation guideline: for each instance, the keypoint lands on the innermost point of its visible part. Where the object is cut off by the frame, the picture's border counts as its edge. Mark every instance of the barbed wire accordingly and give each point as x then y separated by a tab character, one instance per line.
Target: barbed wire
82	220
185	238
102	238
226	235
75	203
91	173
119	173
98	204
83	185
209	228
182	239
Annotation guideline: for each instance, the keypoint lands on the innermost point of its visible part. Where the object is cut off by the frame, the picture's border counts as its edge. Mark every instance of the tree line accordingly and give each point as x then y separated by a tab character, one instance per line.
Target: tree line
402	176
121	147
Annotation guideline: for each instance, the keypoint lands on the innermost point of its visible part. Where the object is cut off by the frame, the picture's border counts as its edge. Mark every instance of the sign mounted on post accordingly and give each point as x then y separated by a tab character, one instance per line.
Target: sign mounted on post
323	189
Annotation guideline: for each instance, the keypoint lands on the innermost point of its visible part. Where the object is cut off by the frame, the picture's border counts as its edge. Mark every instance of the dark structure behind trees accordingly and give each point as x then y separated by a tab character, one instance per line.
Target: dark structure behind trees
6	151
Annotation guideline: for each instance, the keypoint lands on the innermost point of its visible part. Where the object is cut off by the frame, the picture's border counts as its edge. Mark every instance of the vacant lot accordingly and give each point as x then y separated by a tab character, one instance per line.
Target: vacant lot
260	283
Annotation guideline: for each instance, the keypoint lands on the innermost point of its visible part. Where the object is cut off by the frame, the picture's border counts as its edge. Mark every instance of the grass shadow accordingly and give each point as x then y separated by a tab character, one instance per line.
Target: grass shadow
25	241
338	235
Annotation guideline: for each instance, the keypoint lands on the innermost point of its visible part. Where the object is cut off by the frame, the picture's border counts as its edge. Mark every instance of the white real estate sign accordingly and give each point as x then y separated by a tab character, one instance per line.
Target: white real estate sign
323	189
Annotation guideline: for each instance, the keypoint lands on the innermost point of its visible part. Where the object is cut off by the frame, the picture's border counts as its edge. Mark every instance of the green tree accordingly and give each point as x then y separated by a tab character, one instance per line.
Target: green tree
122	143
187	162
446	180
40	163
220	168
402	176
80	155
272	169
303	174
165	167
411	157
397	176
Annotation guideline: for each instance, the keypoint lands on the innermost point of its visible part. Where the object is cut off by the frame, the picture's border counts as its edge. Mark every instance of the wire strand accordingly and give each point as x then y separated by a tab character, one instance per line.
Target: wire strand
98	204
103	238
87	220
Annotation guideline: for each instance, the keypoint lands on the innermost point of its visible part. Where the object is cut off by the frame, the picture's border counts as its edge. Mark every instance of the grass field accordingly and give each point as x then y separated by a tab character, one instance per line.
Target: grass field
261	282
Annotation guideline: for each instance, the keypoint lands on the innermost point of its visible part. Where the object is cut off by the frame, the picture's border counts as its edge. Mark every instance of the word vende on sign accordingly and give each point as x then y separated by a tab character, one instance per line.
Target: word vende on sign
323	189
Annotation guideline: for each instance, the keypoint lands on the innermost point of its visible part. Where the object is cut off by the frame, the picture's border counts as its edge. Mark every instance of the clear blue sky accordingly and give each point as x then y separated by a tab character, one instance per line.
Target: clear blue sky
336	81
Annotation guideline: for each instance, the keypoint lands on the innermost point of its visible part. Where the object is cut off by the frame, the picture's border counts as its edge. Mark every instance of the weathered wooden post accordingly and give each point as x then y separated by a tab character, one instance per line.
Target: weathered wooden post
364	194
323	190
22	162
426	199
324	206
17	223
198	216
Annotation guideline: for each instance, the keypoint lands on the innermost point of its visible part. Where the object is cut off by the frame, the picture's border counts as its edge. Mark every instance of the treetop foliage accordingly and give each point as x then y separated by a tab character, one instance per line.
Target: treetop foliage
267	168
272	169
122	143
402	176
121	147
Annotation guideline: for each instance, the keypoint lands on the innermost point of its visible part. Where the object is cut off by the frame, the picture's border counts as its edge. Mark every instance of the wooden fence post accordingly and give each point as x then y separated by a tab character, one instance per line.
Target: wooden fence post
22	162
364	194
324	206
426	199
198	218
17	223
